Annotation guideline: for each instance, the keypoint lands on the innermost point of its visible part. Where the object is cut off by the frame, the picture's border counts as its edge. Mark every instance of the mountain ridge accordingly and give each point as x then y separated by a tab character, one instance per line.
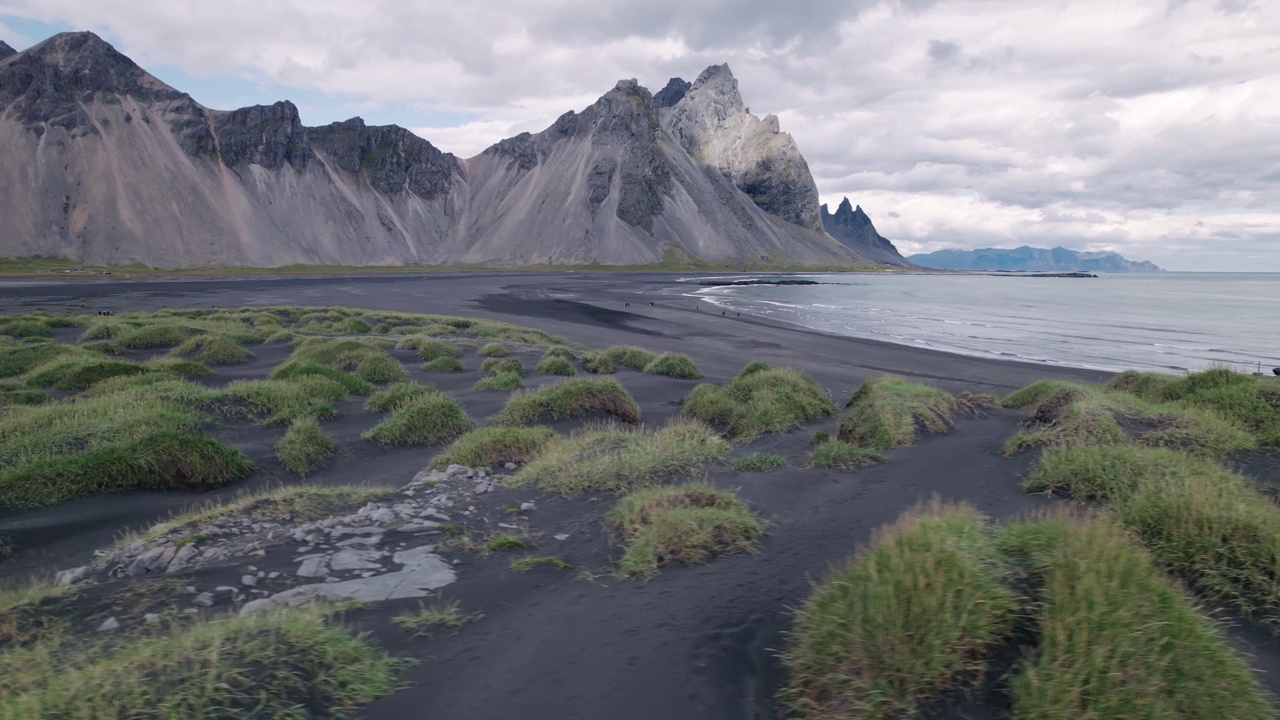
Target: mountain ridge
1027	258
853	228
148	175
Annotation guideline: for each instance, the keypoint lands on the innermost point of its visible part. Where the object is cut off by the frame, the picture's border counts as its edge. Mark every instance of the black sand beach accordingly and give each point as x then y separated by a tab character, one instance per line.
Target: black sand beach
694	642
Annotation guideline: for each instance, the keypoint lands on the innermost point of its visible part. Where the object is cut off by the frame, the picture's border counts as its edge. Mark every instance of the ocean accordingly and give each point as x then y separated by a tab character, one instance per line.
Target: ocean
1167	322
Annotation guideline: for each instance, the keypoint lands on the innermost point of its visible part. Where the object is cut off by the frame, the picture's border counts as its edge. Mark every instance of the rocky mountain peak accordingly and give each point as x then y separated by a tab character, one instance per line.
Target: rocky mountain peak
6	50
711	123
853	228
51	81
673	93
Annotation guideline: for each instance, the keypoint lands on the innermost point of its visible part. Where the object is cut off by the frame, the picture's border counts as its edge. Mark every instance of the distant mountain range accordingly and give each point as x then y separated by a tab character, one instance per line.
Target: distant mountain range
1026	258
105	164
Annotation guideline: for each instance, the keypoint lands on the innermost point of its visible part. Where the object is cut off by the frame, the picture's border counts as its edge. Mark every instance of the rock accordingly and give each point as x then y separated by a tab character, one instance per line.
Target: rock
423	571
72	576
350	559
110	623
204	599
361	542
155	560
314	566
249	580
273	575
561	536
509	466
526	507
182	558
417	527
363	530
151	618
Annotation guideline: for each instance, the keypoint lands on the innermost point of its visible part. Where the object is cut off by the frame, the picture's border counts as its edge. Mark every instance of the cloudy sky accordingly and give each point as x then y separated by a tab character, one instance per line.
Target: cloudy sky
1149	127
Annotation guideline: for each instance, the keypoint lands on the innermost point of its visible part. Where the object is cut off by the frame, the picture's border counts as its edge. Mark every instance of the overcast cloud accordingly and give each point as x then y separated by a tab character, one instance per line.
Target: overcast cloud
1150	127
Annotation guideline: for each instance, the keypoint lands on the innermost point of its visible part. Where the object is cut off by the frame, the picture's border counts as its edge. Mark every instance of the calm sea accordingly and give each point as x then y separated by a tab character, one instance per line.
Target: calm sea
1171	322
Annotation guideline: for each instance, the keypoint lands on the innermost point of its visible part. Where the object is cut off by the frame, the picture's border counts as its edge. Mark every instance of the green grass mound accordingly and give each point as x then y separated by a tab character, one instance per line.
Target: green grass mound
23	327
160	335
837	455
772	400
629	356
429	349
19	396
683	525
501	381
81	371
352	325
305	448
367	361
443	364
493	350
886	412
427	420
510	366
597	363
673	365
1067	414
19	359
1207	525
160	461
1118	640
213	350
758	462
179	367
490	446
616	458
907	619
567	399
562	353
302	369
555	365
1251	402
275	402
397	395
291	663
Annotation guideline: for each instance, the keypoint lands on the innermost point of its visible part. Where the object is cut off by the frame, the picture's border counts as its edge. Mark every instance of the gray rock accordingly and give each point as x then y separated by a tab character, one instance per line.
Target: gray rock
182	558
314	566
72	576
110	623
371	541
155	560
561	536
526	507
151	618
363	530
204	599
249	580
509	466
351	559
417	527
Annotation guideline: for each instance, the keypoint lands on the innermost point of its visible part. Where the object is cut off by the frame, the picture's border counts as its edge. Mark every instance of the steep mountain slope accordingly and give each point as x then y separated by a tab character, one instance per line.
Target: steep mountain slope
105	164
854	230
1027	258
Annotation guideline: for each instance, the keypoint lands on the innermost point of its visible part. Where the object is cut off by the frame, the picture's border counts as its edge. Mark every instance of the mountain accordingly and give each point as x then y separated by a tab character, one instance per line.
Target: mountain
854	230
106	164
1058	259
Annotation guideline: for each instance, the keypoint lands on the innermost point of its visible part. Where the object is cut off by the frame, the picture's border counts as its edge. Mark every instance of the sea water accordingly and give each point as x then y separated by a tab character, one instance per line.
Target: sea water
1169	322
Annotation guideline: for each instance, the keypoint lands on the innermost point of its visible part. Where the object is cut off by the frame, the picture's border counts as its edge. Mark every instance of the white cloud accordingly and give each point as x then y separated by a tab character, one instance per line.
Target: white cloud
1151	128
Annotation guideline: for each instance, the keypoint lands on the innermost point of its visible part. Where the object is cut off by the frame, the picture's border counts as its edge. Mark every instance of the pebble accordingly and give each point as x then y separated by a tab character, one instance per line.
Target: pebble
249	580
204	599
526	507
110	623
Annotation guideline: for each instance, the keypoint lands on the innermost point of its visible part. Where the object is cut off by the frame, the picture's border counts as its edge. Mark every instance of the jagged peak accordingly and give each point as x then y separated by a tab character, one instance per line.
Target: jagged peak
673	93
6	50
67	48
715	73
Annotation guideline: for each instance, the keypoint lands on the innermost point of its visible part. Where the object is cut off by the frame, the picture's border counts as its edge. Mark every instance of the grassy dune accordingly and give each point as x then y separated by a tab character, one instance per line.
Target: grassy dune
886	412
761	399
682	525
568	399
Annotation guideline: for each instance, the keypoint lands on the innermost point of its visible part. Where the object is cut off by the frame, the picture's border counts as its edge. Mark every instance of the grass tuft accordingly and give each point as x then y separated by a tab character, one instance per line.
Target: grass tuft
501	381
562	353
430	349
213	350
629	356
396	395
758	462
427	420
771	400
616	458
682	525
305	447
532	563
904	621
439	617
597	363
838	455
493	350
490	446
673	365
567	399
1117	639
443	364
885	412
555	365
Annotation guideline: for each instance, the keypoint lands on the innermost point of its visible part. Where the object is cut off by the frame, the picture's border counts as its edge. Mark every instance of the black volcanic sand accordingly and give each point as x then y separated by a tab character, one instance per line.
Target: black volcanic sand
694	642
